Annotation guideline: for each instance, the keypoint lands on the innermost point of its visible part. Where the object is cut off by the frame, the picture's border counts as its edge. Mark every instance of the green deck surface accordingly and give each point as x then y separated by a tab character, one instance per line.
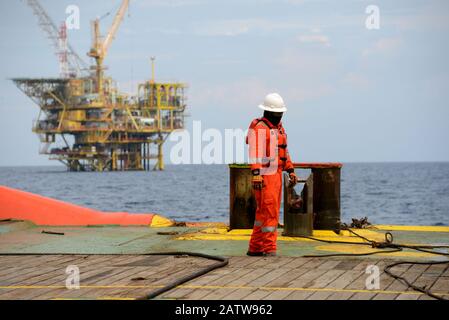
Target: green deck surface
19	236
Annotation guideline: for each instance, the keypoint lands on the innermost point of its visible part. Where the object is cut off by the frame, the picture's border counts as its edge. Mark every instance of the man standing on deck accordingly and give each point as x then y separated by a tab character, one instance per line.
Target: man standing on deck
268	156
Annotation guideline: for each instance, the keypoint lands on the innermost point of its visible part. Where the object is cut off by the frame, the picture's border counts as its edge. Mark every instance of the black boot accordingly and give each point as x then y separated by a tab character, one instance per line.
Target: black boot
255	254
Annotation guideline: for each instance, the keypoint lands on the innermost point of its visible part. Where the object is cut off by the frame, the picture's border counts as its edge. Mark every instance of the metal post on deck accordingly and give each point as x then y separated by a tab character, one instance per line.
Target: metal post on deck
298	209
326	196
242	202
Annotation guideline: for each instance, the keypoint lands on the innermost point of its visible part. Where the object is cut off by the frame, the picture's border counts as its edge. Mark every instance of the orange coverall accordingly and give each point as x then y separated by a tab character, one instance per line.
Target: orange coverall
268	153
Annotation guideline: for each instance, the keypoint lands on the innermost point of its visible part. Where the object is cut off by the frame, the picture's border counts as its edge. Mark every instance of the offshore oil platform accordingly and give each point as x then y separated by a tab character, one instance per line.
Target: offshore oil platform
111	131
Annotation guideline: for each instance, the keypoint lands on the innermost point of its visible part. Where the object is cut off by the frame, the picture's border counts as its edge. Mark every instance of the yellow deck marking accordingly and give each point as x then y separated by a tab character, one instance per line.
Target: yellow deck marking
350	249
160	222
222	233
302	289
244	234
114	298
412	228
238	287
218	234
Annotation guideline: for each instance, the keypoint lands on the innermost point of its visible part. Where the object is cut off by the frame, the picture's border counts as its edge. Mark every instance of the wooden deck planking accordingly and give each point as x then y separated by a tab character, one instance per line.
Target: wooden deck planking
275	282
301	282
360	283
263	281
438	269
340	282
22	262
328	265
235	264
57	277
127	288
313	263
188	268
28	267
28	276
256	295
282	282
107	284
271	281
60	278
324	281
357	283
306	278
123	272
426	280
60	267
297	263
446	273
242	281
299	295
390	284
109	276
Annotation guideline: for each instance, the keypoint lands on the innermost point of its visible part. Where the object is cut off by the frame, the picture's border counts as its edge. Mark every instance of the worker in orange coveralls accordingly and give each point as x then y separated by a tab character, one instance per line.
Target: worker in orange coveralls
268	156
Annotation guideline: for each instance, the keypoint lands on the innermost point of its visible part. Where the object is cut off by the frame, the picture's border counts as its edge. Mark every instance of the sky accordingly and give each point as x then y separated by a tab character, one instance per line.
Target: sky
353	94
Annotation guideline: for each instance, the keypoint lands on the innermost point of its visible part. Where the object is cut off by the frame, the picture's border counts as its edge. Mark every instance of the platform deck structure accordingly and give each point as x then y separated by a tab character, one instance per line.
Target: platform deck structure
107	131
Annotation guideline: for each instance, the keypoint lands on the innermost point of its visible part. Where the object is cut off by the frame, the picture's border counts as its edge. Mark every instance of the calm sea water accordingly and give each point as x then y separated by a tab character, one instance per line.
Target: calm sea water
387	193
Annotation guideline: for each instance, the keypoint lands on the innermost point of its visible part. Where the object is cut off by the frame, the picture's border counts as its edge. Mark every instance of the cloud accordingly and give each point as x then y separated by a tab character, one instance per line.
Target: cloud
249	92
224	28
295	2
301	92
383	46
306	62
243	92
170	3
217	61
432	16
235	27
356	80
314	38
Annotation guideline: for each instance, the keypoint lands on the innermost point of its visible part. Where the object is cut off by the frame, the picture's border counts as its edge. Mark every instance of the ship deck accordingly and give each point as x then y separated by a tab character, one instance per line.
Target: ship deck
113	264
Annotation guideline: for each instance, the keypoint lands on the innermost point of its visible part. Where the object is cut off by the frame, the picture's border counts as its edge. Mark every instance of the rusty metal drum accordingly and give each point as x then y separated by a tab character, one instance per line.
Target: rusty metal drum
326	202
242	203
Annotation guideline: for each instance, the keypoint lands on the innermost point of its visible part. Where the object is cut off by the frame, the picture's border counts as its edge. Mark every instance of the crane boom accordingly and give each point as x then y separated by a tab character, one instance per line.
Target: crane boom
76	64
100	48
115	25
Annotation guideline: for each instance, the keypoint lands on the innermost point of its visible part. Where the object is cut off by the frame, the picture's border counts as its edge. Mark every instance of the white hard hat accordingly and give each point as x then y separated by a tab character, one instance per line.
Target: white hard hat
273	102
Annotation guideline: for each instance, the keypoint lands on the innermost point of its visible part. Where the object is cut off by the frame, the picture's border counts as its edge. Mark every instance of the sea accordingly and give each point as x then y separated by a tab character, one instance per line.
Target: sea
386	193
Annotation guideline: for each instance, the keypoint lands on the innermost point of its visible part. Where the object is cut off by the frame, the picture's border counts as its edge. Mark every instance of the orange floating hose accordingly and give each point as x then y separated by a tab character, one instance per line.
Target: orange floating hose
21	205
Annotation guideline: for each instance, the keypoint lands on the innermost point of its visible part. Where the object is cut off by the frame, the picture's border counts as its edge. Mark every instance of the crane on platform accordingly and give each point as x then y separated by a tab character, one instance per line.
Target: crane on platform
71	65
100	47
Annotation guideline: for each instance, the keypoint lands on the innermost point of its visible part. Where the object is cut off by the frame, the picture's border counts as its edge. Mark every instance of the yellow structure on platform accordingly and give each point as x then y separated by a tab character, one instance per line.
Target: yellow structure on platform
109	130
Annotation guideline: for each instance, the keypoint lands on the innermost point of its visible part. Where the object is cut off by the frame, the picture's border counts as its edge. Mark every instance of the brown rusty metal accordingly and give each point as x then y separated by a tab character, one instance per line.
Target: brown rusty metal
298	210
242	201
317	165
326	202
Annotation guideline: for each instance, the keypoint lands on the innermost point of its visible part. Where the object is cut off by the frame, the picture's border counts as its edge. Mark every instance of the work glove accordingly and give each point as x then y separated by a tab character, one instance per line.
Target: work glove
293	179
257	182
